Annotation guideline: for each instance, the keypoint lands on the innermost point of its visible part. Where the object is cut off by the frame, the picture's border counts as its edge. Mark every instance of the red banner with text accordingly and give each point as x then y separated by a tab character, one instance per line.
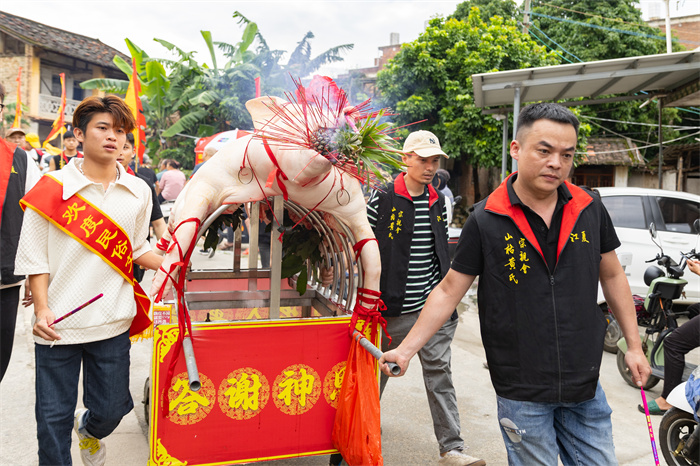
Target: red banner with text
270	390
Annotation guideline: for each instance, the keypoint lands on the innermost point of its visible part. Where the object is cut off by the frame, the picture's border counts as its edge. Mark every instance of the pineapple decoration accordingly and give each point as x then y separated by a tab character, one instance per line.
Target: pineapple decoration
322	142
355	139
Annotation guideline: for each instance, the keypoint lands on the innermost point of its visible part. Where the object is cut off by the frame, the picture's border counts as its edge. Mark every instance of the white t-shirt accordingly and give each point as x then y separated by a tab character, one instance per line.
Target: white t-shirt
75	273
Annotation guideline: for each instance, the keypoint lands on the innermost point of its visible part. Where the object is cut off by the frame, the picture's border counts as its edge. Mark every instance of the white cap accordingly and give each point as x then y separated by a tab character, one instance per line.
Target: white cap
423	143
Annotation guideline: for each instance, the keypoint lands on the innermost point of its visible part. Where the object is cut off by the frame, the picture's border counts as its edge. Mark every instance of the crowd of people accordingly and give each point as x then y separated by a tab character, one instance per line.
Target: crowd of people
91	216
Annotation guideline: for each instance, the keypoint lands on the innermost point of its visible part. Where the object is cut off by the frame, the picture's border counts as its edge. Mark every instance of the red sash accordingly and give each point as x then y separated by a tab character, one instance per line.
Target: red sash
7	153
92	228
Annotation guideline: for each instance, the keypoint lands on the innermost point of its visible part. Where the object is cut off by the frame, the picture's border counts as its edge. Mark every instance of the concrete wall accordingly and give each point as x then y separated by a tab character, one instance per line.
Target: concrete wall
621	175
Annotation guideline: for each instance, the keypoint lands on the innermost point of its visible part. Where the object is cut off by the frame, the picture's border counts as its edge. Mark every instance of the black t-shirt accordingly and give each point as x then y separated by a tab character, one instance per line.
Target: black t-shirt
468	255
148	175
156	213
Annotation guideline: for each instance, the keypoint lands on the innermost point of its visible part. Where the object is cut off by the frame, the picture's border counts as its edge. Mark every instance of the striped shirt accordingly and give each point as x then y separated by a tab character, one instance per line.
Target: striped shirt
423	267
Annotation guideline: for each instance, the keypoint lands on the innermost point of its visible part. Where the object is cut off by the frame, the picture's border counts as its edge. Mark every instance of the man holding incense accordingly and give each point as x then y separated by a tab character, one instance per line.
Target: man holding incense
85	227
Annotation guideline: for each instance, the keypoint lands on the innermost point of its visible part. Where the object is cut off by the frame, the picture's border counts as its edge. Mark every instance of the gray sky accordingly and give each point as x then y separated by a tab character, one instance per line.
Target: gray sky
367	24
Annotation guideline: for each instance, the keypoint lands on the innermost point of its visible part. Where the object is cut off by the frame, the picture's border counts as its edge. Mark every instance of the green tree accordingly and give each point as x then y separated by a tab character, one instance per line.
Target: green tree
430	79
182	96
506	9
591	30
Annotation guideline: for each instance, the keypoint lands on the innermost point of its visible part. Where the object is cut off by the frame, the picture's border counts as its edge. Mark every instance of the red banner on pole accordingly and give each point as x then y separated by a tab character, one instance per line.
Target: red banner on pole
57	128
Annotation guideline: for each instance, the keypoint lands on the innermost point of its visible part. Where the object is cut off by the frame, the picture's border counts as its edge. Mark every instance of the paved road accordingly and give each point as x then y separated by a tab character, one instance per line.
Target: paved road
407	431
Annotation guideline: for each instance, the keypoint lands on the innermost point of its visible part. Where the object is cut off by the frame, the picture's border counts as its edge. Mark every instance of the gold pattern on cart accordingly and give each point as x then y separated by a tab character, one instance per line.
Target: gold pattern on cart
189	407
296	389
167	339
243	393
332	384
163	457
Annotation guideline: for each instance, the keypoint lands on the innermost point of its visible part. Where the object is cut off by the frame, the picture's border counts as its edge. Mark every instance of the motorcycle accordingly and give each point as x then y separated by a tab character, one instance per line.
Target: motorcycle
679	436
664	287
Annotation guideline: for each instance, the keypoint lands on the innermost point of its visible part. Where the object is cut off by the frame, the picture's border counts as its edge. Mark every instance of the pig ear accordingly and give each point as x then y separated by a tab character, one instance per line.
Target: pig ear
261	109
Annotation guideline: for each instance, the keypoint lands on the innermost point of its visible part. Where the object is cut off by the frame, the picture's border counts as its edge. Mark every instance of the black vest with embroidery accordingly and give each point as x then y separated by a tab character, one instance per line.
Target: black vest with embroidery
12	215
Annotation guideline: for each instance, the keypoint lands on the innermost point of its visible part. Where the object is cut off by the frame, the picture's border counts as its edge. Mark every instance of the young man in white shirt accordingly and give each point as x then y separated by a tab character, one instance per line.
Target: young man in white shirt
85	228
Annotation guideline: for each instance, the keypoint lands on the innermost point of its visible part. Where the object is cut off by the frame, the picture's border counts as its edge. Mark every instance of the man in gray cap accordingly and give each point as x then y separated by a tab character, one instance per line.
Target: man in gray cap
15	136
408	217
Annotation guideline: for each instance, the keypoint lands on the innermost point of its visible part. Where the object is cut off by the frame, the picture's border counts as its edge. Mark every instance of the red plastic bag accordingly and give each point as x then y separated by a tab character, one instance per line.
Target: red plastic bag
357	427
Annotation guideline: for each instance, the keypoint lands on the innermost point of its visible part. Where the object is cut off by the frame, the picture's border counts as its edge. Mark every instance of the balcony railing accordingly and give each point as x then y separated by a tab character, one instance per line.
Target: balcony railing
49	105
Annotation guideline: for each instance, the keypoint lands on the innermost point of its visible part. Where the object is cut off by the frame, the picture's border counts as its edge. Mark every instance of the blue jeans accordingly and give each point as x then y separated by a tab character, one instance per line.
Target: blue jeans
105	392
536	433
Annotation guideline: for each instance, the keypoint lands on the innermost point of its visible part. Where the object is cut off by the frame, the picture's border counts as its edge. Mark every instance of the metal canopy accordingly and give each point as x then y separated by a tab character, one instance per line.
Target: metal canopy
652	73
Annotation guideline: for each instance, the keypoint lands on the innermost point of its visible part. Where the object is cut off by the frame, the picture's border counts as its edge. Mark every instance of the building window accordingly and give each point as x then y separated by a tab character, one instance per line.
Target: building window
12	46
56	85
78	92
594	177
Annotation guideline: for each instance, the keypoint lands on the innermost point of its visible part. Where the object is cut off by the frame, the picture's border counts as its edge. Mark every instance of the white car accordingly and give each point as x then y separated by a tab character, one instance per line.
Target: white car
673	213
632	210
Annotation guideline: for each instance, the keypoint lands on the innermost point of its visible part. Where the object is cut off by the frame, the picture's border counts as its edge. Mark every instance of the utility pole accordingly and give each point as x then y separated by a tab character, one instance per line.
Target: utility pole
669	49
526	16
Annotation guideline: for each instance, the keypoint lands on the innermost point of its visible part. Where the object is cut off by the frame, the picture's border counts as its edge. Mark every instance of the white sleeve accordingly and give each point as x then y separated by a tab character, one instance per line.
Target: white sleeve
33	174
33	248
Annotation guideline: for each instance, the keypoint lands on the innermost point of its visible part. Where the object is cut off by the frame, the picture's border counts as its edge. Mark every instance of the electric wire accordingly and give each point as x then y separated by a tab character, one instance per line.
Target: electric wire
550	48
605	28
615	20
644	147
556	43
679	128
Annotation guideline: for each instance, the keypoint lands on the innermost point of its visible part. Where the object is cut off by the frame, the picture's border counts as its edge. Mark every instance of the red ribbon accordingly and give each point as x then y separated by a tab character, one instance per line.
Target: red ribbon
183	316
276	173
369	307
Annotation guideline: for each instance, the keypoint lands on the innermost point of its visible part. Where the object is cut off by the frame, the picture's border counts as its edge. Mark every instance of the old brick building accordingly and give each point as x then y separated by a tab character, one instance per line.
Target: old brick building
44	53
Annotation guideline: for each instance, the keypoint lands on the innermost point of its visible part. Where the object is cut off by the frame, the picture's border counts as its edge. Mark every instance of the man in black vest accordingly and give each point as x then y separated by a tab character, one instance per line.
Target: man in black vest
18	174
540	246
410	223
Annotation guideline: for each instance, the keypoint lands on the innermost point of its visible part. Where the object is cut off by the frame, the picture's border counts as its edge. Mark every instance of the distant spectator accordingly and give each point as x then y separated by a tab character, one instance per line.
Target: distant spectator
208	153
171	183
161	169
146	172
32	147
23	176
442	177
15	136
70	144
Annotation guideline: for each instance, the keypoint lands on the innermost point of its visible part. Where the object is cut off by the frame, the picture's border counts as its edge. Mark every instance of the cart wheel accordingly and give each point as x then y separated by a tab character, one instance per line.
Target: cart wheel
147	400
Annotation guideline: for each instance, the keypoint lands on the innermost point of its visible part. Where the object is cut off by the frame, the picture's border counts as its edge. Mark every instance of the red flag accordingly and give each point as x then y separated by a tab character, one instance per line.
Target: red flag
133	100
257	86
18	109
57	126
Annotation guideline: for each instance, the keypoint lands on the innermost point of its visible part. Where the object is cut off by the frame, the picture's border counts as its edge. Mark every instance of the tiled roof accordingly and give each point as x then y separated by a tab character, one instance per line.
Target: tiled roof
612	151
59	41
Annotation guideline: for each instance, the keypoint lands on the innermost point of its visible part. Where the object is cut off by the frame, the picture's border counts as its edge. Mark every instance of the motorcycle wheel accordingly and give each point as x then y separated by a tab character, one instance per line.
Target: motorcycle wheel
147	400
676	426
627	375
612	334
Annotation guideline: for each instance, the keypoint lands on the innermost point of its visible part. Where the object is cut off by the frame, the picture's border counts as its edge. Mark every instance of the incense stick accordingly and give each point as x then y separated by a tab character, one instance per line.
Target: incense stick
76	309
651	430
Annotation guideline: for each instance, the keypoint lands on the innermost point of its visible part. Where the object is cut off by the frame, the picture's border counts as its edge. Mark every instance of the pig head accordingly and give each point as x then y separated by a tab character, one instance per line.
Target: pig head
253	168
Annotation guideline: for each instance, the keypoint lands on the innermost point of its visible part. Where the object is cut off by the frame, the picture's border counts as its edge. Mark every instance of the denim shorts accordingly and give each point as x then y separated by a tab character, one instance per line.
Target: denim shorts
579	433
